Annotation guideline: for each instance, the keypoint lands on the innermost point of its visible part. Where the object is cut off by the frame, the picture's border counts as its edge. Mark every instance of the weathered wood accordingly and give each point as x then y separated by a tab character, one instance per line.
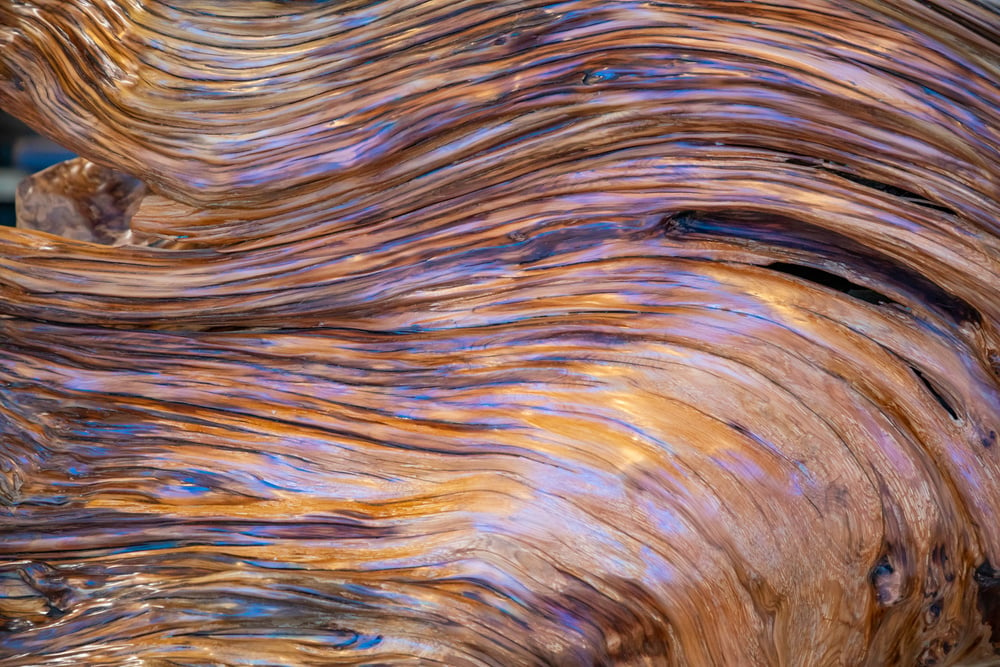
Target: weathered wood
505	333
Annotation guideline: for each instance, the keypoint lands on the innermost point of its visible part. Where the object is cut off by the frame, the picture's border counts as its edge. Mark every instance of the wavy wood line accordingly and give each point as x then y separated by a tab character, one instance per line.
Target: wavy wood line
502	333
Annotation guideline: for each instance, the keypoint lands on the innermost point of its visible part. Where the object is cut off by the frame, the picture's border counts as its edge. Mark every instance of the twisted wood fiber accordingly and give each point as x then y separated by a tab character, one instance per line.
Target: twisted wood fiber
506	333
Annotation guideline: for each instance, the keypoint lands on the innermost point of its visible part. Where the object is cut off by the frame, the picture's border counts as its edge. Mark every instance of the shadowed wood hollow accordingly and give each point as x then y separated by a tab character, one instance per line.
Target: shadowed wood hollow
502	333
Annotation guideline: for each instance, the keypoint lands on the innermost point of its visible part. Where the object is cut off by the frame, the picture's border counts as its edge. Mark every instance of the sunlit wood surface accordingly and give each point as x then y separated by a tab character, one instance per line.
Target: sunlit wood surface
502	333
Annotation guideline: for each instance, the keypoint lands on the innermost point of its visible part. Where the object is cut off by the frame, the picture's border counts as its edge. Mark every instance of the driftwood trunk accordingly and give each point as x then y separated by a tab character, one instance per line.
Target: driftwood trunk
502	333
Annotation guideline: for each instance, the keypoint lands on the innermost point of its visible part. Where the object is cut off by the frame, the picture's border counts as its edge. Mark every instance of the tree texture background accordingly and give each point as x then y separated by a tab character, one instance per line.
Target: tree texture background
502	333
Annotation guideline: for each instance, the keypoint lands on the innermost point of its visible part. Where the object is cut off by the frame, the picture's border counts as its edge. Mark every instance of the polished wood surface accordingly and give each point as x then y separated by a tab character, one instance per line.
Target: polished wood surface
503	333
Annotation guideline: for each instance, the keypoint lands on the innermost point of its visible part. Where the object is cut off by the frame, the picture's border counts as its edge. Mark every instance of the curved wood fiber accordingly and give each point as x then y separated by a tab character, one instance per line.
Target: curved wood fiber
502	333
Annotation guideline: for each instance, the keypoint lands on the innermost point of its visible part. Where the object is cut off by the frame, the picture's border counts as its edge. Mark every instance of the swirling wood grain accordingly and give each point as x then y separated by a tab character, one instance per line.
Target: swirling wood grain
504	333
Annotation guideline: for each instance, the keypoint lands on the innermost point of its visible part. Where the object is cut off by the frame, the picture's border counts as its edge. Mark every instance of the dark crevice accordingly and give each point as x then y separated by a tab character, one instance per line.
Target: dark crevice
805	161
821	247
887	582
935	393
679	222
831	280
988	599
893	190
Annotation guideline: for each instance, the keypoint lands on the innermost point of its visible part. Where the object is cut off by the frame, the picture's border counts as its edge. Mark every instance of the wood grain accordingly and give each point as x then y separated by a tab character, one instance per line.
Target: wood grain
504	333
